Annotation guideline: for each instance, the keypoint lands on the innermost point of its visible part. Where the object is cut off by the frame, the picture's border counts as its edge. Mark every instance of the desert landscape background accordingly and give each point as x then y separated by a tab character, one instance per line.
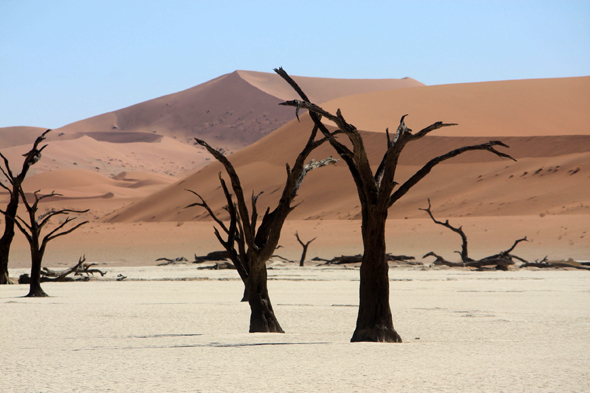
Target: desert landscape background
132	167
173	328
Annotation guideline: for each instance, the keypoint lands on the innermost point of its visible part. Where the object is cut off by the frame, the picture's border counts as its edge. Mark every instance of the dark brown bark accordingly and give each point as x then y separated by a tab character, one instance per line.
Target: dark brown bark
358	258
376	194
305	247
464	250
262	315
11	209
249	244
35	289
374	321
501	261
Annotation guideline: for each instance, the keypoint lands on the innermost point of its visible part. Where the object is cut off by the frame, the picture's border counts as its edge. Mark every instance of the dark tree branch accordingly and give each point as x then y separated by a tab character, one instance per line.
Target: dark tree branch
204	205
464	253
237	187
430	128
425	170
305	247
54	234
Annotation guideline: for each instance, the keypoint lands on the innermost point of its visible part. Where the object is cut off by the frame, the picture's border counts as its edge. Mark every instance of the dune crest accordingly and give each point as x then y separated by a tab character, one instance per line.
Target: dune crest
322	89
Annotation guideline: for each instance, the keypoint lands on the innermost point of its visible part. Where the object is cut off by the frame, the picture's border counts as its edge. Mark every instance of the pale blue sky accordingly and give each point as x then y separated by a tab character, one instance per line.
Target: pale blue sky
63	61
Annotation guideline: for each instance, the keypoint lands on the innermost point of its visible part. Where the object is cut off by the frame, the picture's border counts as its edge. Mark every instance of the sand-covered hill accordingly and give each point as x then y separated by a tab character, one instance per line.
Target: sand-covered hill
231	111
543	121
155	137
544	195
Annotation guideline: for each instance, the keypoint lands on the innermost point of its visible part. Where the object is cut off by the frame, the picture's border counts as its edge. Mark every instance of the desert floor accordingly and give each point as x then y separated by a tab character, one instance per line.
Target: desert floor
179	329
515	331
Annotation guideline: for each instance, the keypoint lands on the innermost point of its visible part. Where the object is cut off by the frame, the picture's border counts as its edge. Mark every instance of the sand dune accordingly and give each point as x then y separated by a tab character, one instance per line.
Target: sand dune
166	156
231	111
320	90
80	183
479	188
532	107
14	136
543	122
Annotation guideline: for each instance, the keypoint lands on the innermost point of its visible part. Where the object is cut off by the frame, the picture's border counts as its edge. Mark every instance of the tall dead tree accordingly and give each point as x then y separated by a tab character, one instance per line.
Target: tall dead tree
377	193
15	182
32	231
251	245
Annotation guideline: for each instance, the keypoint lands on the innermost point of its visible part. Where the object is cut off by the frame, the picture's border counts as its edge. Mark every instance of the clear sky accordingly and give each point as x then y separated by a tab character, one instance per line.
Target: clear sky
63	61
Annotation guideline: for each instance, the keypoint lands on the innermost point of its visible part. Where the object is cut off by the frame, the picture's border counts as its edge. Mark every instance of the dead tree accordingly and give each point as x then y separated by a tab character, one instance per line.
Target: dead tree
251	245
15	182
464	253
32	231
376	193
500	261
305	247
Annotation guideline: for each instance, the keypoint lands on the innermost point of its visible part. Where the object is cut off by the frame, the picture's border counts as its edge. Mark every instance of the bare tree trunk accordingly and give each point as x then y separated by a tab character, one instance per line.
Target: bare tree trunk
262	316
374	321
35	289
6	240
5	243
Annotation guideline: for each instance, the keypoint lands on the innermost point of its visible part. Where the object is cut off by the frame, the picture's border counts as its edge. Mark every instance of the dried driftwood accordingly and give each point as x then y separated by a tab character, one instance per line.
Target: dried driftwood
500	261
169	261
214	256
226	265
82	269
344	259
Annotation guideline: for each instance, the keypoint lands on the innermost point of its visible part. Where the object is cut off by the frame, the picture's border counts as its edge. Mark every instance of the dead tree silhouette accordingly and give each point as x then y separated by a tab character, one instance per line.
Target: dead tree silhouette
377	193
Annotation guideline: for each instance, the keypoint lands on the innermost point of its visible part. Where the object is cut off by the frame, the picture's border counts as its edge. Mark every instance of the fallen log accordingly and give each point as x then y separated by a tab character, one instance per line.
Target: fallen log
169	261
345	259
214	256
544	264
499	263
226	265
49	275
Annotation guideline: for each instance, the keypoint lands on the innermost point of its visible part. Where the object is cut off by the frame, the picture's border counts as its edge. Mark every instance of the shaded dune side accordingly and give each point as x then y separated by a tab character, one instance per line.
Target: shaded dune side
329	193
227	110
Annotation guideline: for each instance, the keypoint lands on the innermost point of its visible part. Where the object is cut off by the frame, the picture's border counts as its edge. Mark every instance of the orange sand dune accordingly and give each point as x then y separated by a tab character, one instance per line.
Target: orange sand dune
234	110
543	122
477	183
80	183
322	89
165	156
231	111
14	136
532	107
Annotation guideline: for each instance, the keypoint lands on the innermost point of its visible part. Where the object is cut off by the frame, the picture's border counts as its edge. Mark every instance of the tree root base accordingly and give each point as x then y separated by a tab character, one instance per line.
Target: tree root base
377	334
